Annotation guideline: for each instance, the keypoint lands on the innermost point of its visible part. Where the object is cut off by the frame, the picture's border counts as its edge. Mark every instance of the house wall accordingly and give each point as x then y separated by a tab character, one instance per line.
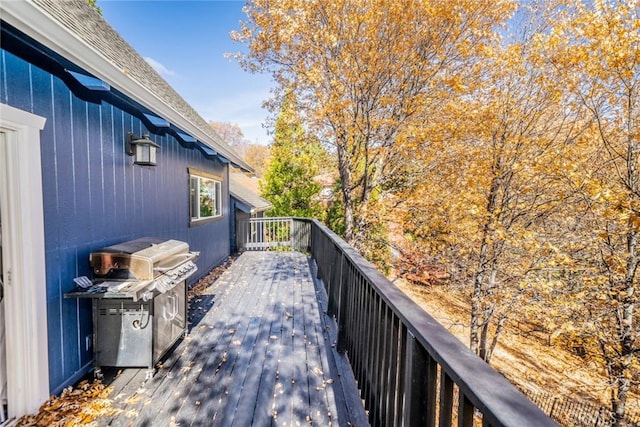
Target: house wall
232	225
94	196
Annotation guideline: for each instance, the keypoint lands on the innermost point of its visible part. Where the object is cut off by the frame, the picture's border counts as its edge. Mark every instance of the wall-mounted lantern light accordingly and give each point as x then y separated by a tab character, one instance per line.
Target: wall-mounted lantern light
143	148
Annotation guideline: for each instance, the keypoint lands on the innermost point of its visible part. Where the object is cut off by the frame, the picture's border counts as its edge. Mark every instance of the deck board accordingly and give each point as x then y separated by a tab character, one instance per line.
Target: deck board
261	354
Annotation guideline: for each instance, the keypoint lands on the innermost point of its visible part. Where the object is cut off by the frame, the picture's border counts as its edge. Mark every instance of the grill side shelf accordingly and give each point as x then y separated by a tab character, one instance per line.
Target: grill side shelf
134	290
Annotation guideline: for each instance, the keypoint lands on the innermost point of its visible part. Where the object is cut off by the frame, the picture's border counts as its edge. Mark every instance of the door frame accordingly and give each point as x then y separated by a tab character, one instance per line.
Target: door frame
23	261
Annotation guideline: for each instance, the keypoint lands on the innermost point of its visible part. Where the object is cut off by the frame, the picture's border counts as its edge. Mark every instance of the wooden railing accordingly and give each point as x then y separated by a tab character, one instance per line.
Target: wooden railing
410	370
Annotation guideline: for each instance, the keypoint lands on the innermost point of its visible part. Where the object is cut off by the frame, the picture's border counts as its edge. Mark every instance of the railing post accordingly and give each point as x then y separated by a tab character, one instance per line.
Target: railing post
293	226
313	244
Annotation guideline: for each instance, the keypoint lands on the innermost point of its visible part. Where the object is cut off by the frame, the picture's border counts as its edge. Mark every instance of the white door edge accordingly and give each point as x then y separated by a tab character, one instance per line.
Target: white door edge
24	261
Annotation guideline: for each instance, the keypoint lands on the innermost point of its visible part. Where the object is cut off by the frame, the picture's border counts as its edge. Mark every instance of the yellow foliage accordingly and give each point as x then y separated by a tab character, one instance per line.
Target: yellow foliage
79	406
367	74
507	153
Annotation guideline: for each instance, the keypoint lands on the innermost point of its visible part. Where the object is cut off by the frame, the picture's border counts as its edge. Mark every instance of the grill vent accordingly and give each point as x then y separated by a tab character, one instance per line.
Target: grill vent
111	311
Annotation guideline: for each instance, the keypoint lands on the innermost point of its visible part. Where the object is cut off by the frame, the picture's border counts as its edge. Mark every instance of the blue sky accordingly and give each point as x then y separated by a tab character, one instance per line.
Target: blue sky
185	41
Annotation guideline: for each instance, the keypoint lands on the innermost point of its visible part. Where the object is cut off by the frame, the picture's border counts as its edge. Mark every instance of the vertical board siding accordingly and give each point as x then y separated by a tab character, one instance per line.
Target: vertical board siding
17	82
94	196
96	187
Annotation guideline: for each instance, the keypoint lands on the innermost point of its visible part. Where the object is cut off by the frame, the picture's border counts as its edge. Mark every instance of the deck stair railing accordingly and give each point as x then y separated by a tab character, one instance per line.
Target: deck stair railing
410	370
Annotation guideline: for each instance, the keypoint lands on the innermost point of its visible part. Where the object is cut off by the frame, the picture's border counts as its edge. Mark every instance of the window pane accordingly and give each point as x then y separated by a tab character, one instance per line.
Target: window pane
193	197
207	198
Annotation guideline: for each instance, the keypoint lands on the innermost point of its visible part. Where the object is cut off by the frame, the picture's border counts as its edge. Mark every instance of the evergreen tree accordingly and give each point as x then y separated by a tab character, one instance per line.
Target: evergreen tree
295	159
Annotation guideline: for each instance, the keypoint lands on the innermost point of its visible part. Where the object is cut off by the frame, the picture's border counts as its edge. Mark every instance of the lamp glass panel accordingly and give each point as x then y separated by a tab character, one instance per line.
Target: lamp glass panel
143	154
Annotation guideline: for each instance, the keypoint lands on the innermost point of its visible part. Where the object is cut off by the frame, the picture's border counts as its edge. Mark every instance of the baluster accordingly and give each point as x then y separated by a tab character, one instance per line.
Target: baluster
392	377
431	390
401	373
446	399
416	383
465	411
343	304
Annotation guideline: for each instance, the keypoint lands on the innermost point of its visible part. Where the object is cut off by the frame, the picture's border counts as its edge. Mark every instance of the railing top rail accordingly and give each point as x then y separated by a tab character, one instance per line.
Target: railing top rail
277	218
499	401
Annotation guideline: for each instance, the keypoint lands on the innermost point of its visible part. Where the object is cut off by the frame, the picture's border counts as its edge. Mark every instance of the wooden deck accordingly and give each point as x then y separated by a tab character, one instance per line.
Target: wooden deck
260	352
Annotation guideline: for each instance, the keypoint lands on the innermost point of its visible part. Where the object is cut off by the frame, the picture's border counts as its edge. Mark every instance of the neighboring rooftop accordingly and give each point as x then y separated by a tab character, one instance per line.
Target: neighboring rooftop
247	190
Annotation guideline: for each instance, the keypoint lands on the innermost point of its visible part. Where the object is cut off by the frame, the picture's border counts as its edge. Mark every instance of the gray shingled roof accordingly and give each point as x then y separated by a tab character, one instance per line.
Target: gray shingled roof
245	189
90	27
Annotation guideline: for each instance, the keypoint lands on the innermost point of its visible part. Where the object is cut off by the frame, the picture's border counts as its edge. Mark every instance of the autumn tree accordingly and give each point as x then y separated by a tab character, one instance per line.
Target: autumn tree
519	135
489	184
258	158
232	135
254	154
364	73
594	52
295	160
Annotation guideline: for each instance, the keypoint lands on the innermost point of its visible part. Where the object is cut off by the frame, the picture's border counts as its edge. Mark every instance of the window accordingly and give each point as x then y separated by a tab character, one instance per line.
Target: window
205	200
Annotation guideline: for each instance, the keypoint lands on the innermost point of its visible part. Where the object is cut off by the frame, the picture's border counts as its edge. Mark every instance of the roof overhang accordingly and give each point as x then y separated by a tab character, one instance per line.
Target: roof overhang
30	19
243	207
248	207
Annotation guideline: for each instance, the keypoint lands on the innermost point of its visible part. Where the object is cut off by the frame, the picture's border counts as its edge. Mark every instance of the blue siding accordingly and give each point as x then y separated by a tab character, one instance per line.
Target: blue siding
94	197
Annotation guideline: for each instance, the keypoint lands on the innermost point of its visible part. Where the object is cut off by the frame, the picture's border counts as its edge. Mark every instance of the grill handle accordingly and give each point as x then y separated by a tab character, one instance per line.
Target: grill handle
189	256
170	315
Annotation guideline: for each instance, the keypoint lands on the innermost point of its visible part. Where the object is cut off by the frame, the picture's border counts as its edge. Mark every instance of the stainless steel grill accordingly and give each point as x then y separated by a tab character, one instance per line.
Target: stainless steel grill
139	300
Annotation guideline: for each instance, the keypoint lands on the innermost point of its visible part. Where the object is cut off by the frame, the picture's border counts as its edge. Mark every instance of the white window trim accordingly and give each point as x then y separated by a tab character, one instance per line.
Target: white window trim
24	261
194	173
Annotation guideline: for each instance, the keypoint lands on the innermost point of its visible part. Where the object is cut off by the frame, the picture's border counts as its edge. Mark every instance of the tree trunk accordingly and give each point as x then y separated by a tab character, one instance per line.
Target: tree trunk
627	297
347	196
626	332
619	399
349	223
487	315
476	297
494	340
484	331
483	263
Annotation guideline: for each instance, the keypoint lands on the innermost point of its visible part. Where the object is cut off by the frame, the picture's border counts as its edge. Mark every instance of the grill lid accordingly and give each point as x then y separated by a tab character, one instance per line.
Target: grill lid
140	259
139	269
133	246
152	248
